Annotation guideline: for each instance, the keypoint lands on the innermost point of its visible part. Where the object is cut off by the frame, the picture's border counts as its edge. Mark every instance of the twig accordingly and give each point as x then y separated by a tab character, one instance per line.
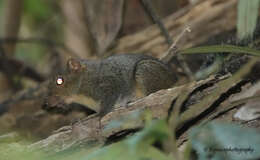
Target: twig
11	67
30	93
175	116
251	120
156	19
14	67
173	45
172	51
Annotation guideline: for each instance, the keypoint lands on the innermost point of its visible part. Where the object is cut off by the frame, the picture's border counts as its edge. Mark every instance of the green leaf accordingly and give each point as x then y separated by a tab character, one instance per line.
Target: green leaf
157	130
247	18
225	141
220	49
212	69
37	9
121	151
136	147
18	151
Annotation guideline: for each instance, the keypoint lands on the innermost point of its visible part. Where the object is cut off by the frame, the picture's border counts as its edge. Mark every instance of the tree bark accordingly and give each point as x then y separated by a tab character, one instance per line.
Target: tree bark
12	21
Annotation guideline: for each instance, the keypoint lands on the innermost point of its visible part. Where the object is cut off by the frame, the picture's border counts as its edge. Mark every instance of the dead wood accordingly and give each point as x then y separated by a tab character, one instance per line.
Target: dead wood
90	131
203	99
205	20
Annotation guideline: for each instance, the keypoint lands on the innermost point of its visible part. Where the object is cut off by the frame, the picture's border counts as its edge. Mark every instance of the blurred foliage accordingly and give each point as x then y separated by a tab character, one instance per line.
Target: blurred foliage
247	18
221	49
31	53
17	151
137	147
212	141
225	141
39	10
41	19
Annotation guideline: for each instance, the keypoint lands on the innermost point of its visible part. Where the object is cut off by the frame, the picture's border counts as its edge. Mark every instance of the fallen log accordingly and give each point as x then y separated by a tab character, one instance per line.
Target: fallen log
90	131
203	98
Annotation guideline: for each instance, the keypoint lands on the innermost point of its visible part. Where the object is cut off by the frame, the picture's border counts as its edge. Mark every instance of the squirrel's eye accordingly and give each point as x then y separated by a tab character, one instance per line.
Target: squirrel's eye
59	81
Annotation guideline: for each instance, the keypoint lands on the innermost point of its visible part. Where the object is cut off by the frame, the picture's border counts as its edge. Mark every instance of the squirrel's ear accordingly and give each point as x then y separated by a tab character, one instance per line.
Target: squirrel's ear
74	65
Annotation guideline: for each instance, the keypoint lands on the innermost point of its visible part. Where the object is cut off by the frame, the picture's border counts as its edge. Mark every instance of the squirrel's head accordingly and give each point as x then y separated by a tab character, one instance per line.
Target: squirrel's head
62	86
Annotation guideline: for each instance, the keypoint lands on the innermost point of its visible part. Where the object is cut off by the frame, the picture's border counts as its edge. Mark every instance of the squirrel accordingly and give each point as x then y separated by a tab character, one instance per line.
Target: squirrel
102	85
105	84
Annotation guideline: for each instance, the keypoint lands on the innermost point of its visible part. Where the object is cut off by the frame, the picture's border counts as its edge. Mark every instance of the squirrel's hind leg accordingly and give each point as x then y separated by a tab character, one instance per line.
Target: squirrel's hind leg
152	75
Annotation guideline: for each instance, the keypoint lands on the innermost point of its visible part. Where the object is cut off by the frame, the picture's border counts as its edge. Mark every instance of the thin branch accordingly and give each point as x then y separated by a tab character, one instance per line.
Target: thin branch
173	45
172	51
12	67
31	93
156	19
